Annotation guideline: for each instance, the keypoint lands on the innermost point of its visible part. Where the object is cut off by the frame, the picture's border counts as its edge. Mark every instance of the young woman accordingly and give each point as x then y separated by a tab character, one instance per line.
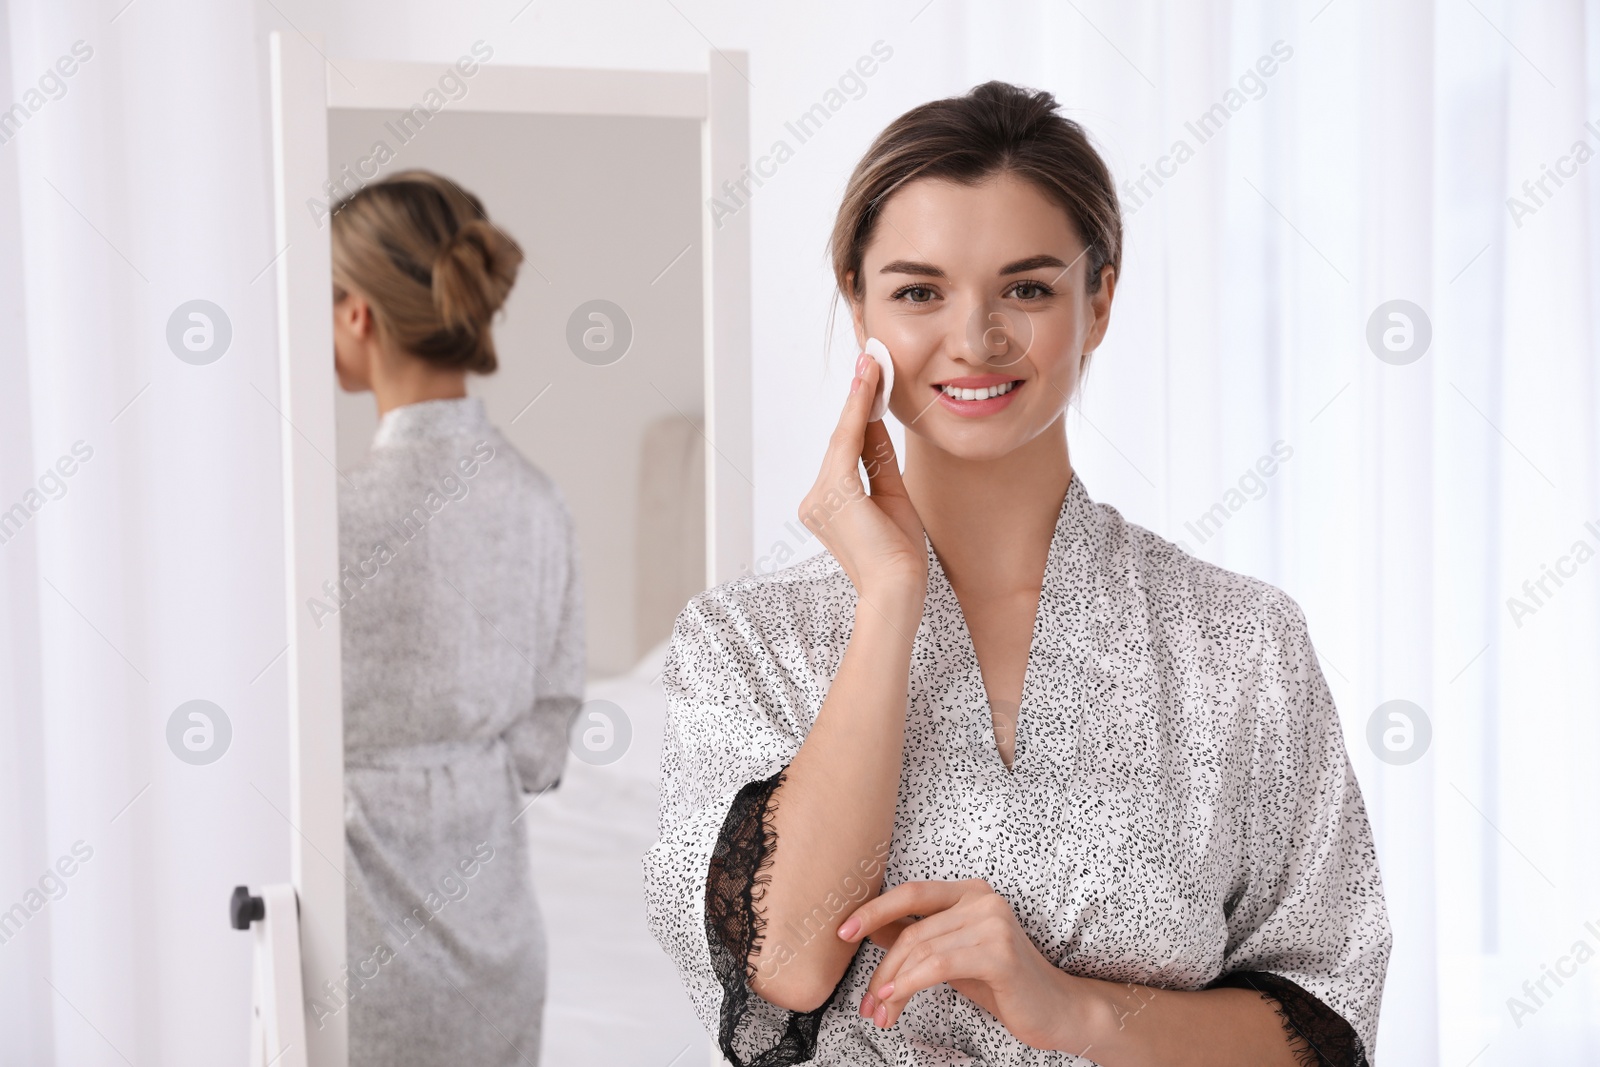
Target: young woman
1100	784
462	625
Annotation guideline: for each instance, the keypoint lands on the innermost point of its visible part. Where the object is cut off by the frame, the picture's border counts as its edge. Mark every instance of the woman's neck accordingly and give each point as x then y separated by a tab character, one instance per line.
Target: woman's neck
401	380
991	521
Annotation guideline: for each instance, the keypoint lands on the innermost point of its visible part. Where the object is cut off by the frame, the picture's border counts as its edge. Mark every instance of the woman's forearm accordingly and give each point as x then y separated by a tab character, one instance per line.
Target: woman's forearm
834	812
1121	1024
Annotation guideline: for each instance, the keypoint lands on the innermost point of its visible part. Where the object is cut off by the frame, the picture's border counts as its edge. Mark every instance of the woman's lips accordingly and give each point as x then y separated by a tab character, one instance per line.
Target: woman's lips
976	408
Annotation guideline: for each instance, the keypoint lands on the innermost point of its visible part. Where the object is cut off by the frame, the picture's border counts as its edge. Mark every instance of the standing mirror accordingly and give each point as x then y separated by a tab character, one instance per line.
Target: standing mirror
623	375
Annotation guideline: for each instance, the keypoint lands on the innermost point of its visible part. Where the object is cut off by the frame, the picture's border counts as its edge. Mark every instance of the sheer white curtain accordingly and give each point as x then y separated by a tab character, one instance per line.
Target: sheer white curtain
145	568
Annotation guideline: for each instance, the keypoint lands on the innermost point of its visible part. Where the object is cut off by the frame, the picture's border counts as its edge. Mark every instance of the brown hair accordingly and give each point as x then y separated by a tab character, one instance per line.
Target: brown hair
422	250
995	128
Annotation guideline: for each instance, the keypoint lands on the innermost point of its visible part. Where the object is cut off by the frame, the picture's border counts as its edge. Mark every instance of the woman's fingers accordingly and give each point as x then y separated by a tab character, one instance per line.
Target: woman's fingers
886	935
941	905
958	954
902	901
839	478
886	974
844	447
876	537
878	456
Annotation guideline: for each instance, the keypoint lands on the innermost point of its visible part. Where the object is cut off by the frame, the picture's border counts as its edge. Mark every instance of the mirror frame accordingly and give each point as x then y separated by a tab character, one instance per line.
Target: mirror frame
305	84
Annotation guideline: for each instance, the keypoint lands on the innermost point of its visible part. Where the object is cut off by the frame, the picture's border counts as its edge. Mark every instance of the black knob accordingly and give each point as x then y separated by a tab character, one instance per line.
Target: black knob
244	909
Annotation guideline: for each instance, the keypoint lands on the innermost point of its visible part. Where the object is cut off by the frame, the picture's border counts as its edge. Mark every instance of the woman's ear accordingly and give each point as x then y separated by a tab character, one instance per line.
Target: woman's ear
359	314
344	312
352	349
1100	303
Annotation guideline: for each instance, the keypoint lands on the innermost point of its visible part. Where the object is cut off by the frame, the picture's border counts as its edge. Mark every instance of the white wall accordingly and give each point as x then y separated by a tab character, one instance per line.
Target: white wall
604	208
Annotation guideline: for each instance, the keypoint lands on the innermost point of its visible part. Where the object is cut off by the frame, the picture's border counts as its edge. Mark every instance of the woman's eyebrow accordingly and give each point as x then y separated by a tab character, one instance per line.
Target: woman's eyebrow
1032	263
906	266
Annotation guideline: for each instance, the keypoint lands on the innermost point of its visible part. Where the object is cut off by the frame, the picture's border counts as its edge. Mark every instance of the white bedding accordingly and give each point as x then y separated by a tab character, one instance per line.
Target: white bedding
614	996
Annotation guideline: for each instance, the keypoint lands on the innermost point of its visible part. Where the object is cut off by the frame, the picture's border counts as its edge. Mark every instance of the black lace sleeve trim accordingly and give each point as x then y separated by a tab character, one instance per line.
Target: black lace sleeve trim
735	882
1318	1035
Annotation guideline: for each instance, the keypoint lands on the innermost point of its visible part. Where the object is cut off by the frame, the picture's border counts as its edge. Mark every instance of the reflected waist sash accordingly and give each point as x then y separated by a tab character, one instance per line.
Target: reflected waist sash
481	751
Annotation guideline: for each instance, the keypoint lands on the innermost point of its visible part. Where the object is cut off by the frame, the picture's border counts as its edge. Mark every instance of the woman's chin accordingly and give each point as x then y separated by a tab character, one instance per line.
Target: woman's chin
974	442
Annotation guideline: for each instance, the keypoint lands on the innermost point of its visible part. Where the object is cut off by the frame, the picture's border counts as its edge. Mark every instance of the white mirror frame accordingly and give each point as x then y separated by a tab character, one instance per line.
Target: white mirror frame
304	87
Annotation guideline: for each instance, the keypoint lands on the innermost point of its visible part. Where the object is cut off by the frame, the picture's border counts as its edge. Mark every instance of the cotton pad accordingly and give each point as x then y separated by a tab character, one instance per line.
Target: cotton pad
880	400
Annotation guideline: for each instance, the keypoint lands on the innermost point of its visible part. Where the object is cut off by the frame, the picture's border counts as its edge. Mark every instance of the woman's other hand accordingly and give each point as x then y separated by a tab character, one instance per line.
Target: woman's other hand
878	539
965	934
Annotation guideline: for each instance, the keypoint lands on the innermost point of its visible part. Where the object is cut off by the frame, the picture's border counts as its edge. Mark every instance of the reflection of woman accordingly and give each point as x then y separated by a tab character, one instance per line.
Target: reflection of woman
462	639
1102	784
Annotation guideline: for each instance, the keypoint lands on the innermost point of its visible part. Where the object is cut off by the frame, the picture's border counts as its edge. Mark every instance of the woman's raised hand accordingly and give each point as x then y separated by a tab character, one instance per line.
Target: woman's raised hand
878	539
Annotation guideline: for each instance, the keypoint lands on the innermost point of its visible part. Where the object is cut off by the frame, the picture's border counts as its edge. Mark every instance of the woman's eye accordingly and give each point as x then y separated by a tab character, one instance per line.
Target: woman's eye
904	293
1038	290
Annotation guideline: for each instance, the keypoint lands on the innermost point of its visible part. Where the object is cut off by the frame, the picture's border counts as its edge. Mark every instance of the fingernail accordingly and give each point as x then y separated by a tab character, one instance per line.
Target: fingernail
886	992
882	1016
855	383
847	929
861	362
869	1004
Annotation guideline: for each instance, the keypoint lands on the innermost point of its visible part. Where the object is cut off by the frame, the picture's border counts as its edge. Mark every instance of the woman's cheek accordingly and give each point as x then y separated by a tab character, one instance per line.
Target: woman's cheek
910	349
906	385
1051	351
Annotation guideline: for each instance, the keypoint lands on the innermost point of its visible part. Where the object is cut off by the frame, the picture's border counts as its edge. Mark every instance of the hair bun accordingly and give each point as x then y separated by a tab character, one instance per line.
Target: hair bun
473	275
422	250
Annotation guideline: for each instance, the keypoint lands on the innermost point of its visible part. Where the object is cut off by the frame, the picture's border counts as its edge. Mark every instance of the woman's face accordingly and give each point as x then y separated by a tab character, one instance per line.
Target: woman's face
979	287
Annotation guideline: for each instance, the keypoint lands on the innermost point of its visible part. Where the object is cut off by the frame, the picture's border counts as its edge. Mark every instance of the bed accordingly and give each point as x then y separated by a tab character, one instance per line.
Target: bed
613	994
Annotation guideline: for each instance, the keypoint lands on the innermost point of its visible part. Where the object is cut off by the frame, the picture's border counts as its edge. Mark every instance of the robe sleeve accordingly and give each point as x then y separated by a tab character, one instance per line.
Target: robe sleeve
730	733
1307	926
539	740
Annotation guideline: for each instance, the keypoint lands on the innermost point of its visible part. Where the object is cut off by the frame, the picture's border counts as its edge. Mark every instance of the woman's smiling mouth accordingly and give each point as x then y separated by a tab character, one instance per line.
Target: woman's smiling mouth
975	395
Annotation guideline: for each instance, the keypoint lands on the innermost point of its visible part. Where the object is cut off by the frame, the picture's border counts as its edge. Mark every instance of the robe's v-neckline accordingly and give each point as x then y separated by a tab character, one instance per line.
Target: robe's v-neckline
1068	529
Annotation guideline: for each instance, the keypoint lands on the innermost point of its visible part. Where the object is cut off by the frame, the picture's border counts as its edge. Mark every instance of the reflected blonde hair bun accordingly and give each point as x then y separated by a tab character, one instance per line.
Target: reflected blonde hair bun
423	252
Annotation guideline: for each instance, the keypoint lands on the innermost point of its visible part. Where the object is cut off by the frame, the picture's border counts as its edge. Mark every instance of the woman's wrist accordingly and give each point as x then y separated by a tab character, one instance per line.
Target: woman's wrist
1093	1013
898	604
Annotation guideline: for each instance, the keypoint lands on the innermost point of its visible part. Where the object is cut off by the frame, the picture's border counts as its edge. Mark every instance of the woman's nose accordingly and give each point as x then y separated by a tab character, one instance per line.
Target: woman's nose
997	335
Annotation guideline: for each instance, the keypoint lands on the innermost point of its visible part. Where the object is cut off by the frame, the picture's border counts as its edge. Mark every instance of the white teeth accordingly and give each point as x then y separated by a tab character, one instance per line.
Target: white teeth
977	394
